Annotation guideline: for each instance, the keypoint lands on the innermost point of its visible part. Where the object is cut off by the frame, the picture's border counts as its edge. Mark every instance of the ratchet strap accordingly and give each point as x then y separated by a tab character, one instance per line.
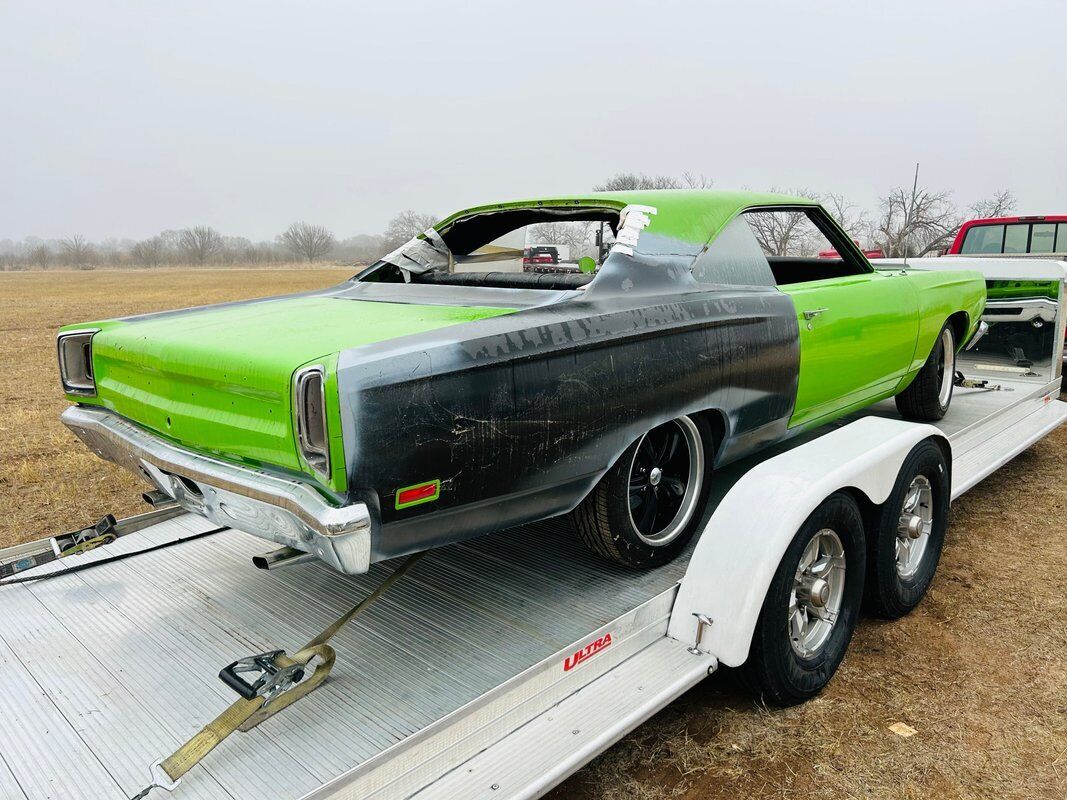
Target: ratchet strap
281	684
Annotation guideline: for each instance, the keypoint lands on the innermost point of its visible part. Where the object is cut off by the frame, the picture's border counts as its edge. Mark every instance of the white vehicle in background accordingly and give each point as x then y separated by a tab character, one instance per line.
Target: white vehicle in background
1021	306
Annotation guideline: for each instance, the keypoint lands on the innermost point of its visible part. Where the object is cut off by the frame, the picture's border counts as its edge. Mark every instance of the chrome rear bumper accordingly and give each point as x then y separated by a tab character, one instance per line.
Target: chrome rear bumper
274	507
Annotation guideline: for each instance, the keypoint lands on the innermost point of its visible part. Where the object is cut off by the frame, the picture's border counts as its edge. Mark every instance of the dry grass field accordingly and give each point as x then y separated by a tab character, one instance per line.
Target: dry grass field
980	670
48	481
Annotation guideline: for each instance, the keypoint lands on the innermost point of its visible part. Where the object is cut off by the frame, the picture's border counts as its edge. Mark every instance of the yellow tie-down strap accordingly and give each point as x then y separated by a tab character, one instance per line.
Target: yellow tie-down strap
245	714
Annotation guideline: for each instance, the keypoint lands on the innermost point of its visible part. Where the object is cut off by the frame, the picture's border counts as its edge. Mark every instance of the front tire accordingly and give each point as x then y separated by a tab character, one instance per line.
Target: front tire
928	397
647	507
811	607
904	546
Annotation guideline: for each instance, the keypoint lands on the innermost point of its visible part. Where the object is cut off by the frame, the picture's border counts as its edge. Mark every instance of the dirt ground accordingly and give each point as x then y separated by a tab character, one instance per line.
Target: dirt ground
979	670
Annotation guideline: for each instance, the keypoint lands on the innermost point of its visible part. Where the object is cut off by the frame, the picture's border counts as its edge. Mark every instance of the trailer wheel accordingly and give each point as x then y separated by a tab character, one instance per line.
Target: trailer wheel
647	507
904	546
811	607
928	397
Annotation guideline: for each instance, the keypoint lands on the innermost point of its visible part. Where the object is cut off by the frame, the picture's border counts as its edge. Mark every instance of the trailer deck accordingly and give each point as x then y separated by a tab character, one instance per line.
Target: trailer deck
477	674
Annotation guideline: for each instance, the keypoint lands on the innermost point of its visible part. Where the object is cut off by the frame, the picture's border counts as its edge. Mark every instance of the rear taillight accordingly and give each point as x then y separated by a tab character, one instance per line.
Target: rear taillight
76	362
310	407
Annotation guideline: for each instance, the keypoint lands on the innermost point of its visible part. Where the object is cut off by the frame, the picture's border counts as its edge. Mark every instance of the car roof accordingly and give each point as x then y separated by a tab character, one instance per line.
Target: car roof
688	214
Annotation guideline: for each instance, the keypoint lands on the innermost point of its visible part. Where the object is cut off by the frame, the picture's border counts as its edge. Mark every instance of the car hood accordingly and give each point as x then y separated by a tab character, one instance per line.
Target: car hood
219	379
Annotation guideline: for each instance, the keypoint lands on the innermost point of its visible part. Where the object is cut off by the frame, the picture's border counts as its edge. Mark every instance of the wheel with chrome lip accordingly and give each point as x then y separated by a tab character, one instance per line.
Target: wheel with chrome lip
904	545
929	395
811	607
647	507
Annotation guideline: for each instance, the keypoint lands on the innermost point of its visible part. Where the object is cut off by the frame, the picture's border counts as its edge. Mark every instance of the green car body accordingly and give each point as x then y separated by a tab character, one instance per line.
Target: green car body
219	381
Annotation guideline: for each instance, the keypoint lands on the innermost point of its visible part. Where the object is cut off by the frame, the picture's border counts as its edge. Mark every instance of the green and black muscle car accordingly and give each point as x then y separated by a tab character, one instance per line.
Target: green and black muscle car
445	392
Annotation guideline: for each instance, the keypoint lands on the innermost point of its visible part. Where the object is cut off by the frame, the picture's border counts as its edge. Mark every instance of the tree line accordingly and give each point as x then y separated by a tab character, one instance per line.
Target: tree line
911	221
203	245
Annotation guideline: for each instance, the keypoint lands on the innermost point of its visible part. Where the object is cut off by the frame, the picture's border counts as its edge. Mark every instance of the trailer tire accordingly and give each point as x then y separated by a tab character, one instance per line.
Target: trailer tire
904	545
780	669
604	519
928	396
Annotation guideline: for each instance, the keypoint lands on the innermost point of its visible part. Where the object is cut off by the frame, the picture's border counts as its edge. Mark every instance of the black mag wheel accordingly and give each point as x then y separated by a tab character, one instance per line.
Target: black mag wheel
929	395
664	484
650	503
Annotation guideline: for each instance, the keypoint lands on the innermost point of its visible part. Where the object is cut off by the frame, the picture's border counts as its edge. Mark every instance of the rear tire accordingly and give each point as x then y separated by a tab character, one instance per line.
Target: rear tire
928	397
904	545
647	507
794	654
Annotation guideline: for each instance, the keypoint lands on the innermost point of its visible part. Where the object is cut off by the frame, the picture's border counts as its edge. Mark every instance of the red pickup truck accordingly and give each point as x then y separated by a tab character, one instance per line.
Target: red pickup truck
1014	236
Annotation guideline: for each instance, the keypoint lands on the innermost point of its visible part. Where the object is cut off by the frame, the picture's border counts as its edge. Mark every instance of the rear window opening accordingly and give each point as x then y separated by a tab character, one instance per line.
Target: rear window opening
555	248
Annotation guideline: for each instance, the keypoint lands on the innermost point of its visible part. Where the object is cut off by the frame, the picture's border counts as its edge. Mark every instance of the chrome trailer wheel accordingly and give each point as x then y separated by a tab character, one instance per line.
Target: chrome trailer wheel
818	590
905	538
811	607
915	524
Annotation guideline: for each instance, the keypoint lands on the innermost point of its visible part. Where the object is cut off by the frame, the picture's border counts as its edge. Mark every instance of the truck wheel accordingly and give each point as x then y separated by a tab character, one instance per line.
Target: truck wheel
811	607
904	546
647	507
927	398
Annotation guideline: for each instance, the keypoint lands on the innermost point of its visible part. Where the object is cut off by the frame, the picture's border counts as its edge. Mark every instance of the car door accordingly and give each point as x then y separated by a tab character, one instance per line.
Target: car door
857	340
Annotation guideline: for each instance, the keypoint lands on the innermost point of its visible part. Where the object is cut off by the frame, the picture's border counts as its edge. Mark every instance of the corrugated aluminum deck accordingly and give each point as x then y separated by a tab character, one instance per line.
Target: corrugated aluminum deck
106	671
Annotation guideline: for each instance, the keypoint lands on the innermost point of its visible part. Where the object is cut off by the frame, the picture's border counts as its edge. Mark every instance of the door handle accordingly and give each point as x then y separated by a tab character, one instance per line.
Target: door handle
814	312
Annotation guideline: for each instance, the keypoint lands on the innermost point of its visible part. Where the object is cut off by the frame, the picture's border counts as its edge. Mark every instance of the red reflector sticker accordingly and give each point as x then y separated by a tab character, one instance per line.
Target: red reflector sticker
419	493
587	652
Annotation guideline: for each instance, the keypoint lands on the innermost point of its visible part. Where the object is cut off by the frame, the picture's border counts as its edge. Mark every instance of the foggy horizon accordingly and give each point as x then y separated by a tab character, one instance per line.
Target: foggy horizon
122	120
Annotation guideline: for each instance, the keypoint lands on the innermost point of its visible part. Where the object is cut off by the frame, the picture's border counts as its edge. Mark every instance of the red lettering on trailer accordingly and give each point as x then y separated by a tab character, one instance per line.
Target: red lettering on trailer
586	652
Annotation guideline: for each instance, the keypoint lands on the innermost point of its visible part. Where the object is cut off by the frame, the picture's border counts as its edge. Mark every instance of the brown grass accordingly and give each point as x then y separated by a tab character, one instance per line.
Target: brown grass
49	482
980	669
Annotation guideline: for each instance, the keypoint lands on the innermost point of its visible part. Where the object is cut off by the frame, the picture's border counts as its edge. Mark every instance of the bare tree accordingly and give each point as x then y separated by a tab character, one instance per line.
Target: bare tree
576	236
406	225
311	242
149	252
784	233
914	223
692	180
76	250
200	243
41	255
629	181
1000	204
852	219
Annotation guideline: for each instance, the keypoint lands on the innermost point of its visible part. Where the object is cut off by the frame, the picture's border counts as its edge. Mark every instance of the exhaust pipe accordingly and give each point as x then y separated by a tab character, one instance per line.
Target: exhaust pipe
282	557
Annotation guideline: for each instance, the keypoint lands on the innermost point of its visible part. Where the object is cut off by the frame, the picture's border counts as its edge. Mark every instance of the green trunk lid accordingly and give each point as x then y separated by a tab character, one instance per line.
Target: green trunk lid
219	380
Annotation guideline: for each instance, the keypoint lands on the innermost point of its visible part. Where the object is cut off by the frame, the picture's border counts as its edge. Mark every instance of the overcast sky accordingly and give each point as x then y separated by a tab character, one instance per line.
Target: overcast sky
122	119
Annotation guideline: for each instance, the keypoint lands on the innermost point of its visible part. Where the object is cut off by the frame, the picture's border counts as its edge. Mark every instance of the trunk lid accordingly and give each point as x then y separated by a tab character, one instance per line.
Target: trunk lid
219	379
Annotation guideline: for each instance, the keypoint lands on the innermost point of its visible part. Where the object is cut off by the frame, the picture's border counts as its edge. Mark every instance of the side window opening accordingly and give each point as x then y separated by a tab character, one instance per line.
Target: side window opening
800	246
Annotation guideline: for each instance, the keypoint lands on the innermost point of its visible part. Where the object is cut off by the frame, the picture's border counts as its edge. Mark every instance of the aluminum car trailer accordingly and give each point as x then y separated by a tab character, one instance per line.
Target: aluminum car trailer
495	668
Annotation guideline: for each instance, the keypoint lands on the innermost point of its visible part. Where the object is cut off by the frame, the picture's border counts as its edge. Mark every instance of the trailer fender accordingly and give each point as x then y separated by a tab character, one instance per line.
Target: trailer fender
747	535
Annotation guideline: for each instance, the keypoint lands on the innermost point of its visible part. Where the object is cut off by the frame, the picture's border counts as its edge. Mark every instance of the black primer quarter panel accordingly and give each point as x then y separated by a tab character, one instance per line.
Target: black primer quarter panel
520	422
